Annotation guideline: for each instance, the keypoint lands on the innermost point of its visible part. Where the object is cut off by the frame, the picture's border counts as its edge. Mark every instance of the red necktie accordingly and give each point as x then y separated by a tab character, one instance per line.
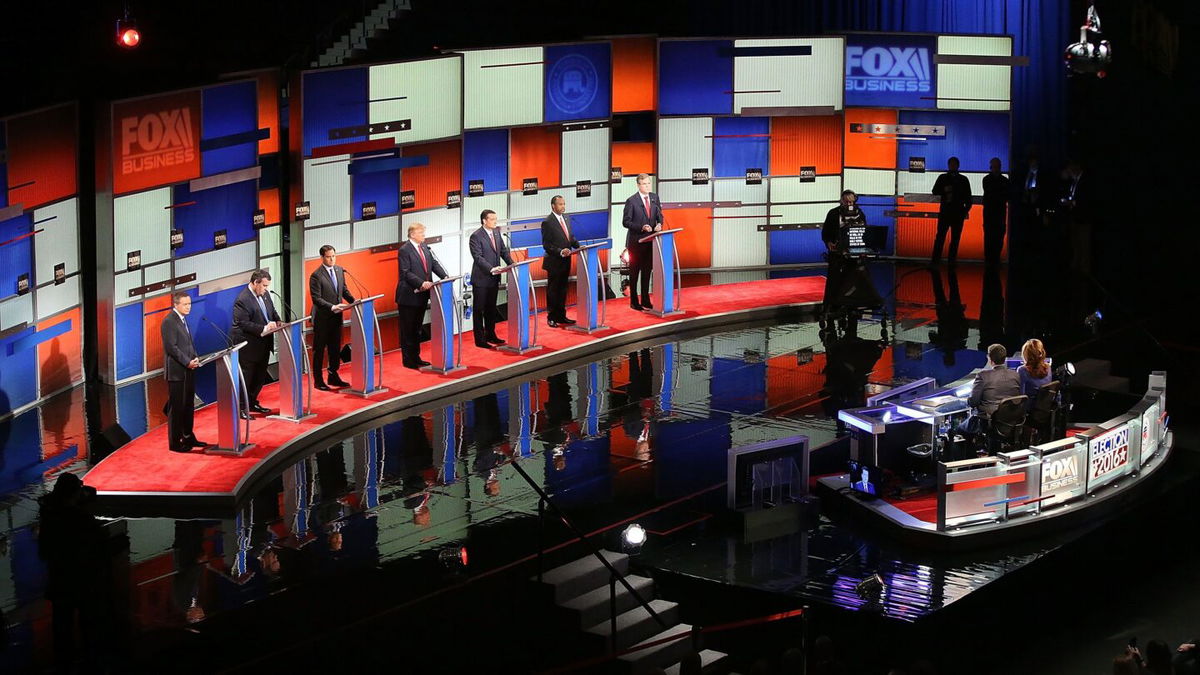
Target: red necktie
646	203
492	238
423	262
563	224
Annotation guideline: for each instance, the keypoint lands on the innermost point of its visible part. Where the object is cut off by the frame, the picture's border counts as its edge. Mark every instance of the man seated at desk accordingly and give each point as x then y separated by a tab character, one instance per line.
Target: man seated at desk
992	385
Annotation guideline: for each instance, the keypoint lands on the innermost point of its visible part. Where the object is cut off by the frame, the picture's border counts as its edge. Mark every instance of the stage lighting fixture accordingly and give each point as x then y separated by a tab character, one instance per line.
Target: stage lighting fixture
1086	57
1065	372
1092	321
632	538
128	35
625	257
454	557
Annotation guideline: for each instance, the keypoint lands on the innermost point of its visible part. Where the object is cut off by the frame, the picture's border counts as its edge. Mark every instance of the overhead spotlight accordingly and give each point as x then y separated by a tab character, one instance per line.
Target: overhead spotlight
128	35
1086	57
454	557
1065	372
632	538
1092	321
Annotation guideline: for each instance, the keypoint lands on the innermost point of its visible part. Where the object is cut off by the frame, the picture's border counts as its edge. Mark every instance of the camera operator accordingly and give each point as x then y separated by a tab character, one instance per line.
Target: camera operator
833	232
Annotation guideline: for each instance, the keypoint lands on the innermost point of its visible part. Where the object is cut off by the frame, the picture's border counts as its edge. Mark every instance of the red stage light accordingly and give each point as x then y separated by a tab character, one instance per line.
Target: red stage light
462	555
128	35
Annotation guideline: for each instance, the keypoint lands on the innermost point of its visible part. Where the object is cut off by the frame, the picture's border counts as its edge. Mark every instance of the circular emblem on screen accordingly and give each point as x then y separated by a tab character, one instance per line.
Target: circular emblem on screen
573	83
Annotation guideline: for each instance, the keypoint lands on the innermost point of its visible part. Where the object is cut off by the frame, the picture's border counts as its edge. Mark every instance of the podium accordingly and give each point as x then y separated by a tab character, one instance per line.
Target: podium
445	356
522	309
295	395
233	432
666	272
366	372
591	309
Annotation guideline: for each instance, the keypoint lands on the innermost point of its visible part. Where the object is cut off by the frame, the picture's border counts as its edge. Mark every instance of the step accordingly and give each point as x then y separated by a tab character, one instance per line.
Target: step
637	624
592	607
580	576
1110	383
659	655
711	661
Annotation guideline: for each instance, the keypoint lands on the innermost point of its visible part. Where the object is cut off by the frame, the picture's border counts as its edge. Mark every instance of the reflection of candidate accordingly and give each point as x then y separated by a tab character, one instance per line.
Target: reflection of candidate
179	360
643	215
254	316
558	241
327	287
417	267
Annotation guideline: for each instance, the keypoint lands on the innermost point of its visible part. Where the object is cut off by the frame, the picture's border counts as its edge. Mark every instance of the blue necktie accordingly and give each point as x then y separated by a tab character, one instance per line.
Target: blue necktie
263	306
333	279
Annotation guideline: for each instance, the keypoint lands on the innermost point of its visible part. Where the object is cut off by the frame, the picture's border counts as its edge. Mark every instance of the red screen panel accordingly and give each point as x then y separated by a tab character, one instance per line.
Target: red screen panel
41	156
634	74
865	151
535	152
634	158
695	242
431	182
806	141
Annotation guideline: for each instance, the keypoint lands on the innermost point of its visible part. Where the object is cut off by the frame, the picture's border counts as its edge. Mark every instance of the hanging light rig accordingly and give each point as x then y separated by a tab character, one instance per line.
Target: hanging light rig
128	35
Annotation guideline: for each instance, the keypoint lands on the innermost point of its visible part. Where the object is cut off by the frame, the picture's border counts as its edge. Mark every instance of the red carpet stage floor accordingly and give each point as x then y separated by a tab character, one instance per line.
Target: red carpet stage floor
146	467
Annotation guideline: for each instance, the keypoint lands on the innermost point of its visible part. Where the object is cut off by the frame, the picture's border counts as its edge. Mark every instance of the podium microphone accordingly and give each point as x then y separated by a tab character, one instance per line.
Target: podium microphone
291	314
361	288
228	342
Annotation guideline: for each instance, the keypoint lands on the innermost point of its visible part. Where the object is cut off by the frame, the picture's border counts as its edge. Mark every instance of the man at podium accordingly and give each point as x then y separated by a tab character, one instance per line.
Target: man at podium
489	252
179	362
327	287
558	242
254	317
643	215
417	267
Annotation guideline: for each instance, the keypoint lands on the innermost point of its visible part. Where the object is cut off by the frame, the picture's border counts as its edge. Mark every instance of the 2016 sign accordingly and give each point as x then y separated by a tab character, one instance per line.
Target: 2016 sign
1108	452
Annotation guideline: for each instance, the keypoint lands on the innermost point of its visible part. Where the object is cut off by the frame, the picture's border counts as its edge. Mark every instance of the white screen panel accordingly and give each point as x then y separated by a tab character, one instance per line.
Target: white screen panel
337	236
125	282
974	87
585	156
870	181
617	232
597	202
154	274
922	183
684	144
503	87
737	241
521	206
974	45
59	241
142	222
684	191
803	214
270	241
376	232
811	80
327	190
233	260
628	185
16	311
429	93
473	206
448	251
736	190
437	222
790	189
53	299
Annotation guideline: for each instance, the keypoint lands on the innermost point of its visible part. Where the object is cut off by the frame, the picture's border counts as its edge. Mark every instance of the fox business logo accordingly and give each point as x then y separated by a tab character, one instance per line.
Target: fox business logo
1109	452
902	69
159	139
1060	473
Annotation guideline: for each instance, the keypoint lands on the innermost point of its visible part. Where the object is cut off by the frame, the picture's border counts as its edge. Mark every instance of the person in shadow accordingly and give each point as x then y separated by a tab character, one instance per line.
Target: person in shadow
849	360
75	549
951	333
188	551
487	435
991	309
418	473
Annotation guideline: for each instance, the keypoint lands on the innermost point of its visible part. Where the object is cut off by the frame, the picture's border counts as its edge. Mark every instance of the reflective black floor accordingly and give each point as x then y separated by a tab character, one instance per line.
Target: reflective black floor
386	516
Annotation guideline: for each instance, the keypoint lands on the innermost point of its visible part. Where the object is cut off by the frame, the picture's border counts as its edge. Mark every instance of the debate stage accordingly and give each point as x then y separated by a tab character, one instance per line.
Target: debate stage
144	477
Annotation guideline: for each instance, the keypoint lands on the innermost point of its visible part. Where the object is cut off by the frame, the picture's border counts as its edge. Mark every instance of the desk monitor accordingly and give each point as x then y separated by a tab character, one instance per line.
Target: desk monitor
905	392
866	479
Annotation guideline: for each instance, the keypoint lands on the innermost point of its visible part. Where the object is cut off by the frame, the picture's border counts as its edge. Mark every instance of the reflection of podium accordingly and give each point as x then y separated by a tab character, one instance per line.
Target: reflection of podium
442	334
589	283
233	432
522	308
366	372
666	272
293	365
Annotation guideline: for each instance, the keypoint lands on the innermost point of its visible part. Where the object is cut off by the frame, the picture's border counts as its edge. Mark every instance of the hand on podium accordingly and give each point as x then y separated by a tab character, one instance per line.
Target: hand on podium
566	253
647	228
426	285
194	363
658	228
495	270
337	309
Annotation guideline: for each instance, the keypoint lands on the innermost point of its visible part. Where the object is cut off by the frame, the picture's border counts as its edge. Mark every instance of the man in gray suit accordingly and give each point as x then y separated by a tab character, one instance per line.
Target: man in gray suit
994	383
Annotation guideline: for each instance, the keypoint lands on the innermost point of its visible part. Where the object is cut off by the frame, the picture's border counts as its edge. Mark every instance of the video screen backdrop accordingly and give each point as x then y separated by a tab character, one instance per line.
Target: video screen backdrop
41	324
750	143
191	196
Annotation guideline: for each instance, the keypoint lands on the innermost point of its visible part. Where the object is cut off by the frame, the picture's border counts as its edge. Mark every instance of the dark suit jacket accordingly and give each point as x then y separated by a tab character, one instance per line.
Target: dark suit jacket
486	257
413	274
992	385
178	349
954	192
324	295
635	217
553	240
248	324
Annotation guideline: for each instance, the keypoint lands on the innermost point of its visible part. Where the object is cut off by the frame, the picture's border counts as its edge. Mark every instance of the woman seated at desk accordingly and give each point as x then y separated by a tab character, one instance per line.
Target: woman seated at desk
1034	372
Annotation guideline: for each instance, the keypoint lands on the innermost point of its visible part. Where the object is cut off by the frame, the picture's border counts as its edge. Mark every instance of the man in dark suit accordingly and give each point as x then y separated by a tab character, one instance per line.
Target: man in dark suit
179	360
417	267
254	320
327	288
953	190
488	251
994	383
643	215
558	242
1077	209
997	191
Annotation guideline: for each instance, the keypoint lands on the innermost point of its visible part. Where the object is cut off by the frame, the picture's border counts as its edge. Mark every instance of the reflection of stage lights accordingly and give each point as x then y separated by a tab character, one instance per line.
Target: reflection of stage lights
870	587
962	391
752	355
632	538
558	458
699	364
804	356
454	558
913	351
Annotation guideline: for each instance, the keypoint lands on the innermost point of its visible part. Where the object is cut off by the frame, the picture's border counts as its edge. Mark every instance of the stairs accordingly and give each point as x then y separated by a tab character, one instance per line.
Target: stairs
354	42
580	589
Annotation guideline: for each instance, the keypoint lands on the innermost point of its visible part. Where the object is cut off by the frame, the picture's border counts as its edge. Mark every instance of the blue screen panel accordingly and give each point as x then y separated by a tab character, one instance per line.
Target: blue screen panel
131	408
578	82
941	365
228	110
795	246
891	71
695	77
585	478
796	274
129	340
973	137
3	182
228	207
18	373
334	99
689	455
21	439
736	148
526	238
485	157
381	187
16	257
738	386
593	225
874	208
218	309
